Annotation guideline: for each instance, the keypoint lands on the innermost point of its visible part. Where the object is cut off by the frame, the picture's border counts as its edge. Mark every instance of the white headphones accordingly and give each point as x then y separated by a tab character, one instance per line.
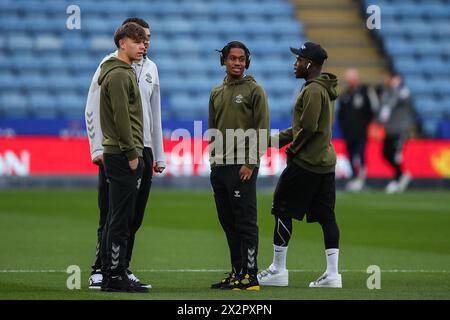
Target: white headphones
309	64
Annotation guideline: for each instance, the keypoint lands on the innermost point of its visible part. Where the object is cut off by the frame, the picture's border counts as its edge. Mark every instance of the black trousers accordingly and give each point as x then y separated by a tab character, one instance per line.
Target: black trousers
142	198
392	148
124	184
356	151
237	212
103	206
141	202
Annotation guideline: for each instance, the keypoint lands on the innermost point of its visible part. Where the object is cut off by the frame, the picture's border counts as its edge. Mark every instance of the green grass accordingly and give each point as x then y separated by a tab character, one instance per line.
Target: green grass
50	230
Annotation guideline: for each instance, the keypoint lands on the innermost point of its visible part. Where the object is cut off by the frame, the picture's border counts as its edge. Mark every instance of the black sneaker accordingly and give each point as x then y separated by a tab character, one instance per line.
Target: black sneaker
121	283
247	282
105	281
135	280
224	282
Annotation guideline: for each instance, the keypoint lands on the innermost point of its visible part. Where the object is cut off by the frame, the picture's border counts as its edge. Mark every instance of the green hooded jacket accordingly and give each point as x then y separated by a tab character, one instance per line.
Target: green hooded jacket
311	129
121	116
239	105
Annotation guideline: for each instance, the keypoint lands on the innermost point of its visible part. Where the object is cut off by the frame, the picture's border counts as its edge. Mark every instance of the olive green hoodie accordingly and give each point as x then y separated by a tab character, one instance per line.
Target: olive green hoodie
239	104
120	109
311	129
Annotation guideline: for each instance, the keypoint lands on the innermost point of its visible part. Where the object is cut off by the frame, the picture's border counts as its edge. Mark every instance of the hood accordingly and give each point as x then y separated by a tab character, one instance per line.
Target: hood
246	78
110	65
328	81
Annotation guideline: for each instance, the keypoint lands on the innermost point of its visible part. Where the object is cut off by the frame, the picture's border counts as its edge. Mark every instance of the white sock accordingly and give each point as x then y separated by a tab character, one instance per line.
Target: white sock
332	256
279	258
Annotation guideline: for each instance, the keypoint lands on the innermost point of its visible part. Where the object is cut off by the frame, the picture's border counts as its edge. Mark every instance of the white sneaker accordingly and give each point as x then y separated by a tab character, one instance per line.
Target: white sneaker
95	280
392	187
355	185
404	181
273	277
326	281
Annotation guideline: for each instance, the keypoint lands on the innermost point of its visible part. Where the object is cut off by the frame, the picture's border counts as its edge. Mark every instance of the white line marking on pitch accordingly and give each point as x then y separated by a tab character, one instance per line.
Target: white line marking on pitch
223	270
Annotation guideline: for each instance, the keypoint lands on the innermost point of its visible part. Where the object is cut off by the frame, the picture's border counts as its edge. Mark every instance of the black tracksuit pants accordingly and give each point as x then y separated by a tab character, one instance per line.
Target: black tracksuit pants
392	148
356	151
236	208
141	202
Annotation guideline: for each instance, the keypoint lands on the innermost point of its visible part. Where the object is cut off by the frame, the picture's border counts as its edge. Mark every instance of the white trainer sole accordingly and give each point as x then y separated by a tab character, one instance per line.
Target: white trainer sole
275	280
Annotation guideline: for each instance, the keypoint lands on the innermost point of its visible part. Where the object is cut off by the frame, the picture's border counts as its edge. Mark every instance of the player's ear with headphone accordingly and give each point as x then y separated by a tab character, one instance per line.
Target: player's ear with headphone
235	44
309	64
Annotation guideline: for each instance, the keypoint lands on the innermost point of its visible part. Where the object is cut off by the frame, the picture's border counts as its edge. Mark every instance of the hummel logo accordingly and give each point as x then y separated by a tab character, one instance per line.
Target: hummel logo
251	258
237	194
90	125
115	256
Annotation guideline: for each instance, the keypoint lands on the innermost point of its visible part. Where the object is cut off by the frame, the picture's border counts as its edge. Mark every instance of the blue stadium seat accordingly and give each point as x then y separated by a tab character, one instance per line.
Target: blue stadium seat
48	43
5	62
55	62
430	125
280	86
186	45
102	43
419	87
8	81
398	46
43	105
62	82
287	27
182	104
12	24
71	105
19	42
440	87
14	105
75	42
441	29
32	82
435	67
280	106
51	68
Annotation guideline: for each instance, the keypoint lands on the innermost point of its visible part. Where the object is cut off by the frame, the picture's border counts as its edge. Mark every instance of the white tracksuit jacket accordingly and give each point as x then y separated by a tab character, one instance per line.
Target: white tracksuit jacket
148	81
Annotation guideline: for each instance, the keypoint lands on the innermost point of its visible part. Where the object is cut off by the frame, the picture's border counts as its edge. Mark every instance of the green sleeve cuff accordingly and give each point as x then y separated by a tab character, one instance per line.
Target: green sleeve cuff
132	154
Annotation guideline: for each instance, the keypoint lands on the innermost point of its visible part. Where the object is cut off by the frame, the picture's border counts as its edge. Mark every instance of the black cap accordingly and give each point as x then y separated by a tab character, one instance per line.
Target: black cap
311	51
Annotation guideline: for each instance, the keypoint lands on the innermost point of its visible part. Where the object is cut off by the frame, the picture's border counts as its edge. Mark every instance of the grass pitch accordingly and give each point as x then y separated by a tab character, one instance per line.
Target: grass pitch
181	248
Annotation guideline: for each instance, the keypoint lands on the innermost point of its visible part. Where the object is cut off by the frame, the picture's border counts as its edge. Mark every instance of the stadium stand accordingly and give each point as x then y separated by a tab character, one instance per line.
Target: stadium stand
340	27
46	68
416	37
